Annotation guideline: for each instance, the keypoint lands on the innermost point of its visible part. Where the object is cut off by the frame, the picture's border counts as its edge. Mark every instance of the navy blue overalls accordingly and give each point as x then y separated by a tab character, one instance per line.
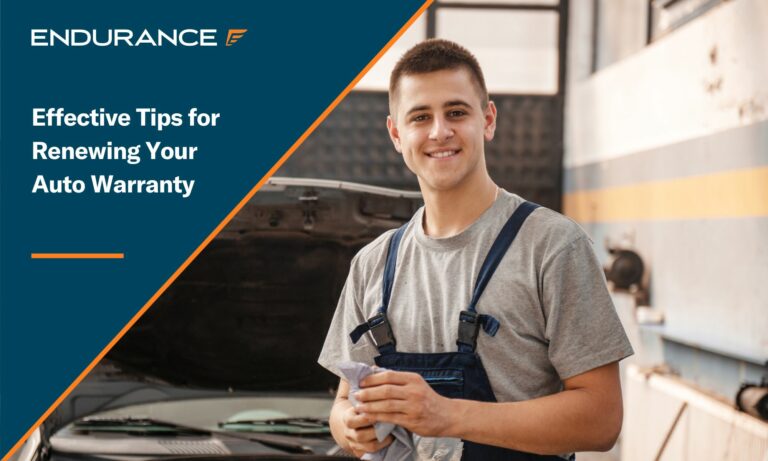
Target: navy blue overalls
452	374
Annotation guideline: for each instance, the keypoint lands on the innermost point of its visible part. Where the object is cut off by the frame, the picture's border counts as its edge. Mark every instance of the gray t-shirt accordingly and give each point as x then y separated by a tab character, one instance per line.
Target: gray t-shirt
556	317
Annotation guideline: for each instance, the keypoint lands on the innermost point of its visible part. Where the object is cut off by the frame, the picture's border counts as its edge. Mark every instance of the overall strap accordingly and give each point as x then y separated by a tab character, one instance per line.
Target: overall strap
389	268
379	325
469	320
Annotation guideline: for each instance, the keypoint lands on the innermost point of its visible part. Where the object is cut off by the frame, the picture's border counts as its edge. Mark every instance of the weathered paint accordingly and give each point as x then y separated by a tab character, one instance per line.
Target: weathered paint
667	151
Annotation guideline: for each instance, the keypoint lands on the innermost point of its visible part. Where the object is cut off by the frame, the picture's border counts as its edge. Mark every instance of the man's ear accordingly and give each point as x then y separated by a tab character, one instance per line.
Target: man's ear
490	121
394	135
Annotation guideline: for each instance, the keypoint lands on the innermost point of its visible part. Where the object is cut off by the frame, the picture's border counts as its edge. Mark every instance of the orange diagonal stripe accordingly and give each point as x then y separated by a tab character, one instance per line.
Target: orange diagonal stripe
78	255
218	229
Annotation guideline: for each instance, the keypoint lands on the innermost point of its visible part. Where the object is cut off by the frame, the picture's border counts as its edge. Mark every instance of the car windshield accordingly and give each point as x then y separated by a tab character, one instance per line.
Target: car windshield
301	415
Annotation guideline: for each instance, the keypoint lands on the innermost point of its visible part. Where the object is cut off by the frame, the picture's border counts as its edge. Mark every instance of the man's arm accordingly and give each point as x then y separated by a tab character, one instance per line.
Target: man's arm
352	431
585	416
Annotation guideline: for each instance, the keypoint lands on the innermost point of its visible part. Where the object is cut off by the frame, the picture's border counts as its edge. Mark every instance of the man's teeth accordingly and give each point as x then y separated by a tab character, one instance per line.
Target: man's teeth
445	153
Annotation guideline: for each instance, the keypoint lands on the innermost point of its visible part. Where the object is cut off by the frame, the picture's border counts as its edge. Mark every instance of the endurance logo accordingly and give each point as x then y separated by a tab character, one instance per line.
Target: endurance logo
131	38
234	35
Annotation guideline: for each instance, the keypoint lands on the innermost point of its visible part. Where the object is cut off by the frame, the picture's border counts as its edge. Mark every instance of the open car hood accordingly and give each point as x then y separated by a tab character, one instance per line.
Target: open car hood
250	314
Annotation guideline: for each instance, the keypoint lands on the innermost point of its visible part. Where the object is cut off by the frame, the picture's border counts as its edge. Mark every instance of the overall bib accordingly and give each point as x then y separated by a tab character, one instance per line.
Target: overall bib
457	374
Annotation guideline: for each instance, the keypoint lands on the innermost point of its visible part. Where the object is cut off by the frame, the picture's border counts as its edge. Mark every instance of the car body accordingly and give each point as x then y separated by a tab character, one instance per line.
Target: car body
223	366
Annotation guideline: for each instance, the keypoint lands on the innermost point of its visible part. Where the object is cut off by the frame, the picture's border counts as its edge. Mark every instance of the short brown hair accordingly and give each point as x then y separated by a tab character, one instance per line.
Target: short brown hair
433	55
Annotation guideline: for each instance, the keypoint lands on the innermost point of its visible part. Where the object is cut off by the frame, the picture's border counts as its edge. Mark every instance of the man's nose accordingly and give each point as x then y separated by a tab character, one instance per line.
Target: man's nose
441	129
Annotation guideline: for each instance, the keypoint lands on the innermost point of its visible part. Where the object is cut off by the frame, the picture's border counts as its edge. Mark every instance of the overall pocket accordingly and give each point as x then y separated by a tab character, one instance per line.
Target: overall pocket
448	383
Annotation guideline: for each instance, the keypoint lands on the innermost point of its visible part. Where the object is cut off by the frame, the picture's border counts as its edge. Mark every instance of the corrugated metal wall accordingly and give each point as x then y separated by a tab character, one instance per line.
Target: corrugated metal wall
353	144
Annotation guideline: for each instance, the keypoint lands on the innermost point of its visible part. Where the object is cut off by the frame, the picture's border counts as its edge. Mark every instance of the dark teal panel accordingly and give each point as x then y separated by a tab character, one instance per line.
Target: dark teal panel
293	61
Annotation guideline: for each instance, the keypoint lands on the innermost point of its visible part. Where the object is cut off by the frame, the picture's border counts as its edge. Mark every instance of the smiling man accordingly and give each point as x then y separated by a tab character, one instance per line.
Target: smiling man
490	312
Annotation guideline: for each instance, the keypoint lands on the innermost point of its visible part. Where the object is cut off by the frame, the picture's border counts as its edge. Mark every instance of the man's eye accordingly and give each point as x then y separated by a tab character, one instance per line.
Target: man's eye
456	113
419	118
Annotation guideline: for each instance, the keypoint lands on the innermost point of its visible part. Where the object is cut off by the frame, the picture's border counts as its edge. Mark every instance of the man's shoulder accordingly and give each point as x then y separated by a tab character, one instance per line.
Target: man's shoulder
375	247
552	223
374	253
551	231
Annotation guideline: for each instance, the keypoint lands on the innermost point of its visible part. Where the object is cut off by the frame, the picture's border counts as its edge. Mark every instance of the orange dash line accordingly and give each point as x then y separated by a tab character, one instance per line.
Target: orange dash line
78	255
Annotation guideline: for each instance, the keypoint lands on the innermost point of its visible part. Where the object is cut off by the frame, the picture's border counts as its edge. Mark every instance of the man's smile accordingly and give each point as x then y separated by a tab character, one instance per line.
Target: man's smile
443	153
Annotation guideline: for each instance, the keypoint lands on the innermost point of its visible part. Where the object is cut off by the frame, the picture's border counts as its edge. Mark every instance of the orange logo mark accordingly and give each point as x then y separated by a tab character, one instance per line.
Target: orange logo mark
234	35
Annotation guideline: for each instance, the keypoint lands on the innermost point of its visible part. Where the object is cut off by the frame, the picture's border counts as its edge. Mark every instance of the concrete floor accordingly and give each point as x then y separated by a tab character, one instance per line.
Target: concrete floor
613	455
597	456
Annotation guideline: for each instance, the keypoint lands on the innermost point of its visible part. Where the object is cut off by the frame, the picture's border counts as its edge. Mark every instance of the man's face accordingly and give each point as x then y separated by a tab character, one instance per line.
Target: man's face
440	126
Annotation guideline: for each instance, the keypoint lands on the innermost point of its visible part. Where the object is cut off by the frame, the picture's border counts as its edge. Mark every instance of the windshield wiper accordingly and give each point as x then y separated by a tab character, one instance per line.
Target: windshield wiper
134	425
302	426
299	421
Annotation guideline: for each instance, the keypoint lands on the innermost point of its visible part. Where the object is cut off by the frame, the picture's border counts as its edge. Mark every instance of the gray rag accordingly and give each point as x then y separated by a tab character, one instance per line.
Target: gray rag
402	448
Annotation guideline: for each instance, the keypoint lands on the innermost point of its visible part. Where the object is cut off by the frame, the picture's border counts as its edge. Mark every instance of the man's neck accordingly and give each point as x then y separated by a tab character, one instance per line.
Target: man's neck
447	213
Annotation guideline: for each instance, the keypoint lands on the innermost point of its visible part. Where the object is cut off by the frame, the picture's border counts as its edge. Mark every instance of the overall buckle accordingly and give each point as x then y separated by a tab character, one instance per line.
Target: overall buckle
469	329
381	330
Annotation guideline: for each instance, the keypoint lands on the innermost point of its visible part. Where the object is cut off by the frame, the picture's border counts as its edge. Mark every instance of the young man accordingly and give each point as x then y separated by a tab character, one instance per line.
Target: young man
501	305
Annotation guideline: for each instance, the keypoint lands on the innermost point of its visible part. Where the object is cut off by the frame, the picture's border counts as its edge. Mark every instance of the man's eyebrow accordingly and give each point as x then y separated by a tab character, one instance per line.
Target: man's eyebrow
417	109
457	102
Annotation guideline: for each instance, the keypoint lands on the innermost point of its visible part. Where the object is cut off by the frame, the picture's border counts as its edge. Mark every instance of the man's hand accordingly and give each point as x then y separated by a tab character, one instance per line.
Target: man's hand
352	431
358	430
406	400
585	416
